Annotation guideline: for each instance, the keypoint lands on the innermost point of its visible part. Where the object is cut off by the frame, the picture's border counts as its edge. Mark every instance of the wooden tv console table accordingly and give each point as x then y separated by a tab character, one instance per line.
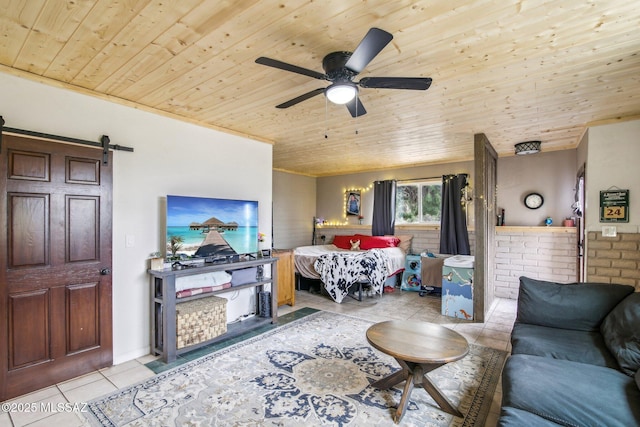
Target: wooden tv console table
163	304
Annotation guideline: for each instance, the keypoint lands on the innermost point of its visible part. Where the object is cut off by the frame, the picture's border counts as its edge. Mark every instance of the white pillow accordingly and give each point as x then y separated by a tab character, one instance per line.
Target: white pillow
216	278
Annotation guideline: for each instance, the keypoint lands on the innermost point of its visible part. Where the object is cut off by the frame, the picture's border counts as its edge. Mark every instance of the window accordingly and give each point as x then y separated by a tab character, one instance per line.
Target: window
419	202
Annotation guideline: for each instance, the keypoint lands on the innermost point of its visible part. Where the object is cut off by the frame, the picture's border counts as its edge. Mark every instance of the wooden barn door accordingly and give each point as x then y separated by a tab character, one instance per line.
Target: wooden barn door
55	263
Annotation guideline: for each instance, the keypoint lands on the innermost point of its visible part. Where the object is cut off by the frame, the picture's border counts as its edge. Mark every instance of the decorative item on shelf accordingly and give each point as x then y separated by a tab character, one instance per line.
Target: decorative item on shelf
156	262
360	219
260	253
175	244
548	221
527	147
569	222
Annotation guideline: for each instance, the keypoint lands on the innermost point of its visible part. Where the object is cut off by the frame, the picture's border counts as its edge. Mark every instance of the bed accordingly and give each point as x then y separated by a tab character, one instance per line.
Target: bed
372	260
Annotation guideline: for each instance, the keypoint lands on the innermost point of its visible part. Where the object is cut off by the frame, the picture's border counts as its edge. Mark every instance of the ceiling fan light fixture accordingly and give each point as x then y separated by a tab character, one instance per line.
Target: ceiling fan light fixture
341	93
528	147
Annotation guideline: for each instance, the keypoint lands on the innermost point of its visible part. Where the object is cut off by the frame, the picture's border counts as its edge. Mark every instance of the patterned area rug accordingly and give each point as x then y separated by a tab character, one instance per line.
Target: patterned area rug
314	371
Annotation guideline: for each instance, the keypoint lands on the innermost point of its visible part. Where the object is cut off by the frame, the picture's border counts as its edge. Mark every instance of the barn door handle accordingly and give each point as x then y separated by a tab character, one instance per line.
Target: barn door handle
105	271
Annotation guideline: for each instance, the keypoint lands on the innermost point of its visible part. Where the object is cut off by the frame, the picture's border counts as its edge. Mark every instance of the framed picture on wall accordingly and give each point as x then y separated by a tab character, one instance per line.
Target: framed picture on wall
353	203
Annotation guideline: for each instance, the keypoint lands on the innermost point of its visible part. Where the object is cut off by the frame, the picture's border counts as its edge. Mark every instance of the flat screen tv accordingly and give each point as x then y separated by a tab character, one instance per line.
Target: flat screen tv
202	227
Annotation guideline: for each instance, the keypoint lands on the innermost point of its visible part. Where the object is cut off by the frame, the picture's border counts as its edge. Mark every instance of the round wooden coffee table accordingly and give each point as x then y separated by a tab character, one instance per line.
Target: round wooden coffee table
419	348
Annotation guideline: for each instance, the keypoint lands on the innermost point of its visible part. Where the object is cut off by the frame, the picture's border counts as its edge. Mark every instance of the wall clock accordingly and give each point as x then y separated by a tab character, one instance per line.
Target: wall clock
533	200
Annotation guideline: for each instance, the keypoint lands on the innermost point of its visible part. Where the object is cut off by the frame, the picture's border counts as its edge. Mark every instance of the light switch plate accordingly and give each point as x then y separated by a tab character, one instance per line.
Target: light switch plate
609	231
129	241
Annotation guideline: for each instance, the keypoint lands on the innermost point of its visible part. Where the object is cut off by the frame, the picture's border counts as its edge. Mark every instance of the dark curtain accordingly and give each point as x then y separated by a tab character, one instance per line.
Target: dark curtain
384	208
454	238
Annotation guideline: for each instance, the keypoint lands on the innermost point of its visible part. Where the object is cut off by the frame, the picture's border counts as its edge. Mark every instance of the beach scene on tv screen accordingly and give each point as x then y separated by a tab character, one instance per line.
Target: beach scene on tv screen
208	227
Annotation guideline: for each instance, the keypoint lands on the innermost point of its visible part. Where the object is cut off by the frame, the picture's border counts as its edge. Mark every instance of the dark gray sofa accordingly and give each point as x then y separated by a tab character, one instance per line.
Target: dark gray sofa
575	358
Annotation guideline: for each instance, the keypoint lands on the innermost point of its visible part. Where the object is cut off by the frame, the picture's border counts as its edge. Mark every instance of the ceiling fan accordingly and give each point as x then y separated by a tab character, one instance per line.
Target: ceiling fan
341	68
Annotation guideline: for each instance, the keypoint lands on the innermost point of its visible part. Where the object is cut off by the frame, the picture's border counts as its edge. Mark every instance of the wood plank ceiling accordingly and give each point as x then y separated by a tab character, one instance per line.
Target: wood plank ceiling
514	70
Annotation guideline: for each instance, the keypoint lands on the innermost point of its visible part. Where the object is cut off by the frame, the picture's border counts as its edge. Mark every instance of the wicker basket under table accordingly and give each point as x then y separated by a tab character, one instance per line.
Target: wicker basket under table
200	320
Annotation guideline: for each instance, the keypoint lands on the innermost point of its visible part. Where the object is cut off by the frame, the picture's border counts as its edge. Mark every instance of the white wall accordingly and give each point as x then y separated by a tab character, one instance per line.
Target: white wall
613	161
551	174
170	157
294	206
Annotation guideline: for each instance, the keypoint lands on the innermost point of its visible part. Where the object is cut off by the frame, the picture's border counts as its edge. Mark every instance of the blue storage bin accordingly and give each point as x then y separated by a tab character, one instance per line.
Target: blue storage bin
411	276
457	287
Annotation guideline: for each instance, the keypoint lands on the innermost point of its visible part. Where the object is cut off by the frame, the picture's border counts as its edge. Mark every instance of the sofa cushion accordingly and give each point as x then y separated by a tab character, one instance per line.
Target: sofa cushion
580	306
621	332
570	393
512	417
579	346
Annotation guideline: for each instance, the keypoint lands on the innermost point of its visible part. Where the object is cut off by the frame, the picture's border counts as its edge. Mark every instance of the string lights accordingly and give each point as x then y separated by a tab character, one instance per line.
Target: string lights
345	218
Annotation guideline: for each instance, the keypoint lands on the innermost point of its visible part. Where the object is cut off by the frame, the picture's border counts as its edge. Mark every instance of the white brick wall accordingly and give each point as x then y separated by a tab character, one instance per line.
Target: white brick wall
537	252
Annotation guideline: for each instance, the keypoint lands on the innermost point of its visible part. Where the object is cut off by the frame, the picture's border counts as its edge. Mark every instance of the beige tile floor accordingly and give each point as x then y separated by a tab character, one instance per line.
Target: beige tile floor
397	305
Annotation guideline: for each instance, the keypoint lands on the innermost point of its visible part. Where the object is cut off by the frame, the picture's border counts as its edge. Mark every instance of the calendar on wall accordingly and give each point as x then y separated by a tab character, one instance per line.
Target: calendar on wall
614	205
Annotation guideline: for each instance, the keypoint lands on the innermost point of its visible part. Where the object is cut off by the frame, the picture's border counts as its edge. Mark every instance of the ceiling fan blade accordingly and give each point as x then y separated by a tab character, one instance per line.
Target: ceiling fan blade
288	67
371	45
413	83
301	98
356	108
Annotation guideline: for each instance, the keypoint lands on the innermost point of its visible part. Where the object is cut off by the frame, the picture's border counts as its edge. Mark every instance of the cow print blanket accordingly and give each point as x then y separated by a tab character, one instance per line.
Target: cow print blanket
340	270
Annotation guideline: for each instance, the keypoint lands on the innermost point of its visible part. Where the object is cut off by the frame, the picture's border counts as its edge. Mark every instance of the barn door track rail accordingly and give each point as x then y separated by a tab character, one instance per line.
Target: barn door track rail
104	143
